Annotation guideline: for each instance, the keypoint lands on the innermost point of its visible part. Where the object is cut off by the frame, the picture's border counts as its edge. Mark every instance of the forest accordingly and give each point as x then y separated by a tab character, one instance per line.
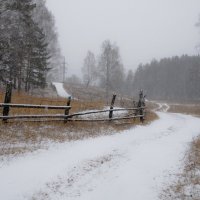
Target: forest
29	49
174	79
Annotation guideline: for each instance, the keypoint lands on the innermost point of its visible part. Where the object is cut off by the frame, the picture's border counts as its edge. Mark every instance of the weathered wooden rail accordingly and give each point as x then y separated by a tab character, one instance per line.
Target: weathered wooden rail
138	112
33	106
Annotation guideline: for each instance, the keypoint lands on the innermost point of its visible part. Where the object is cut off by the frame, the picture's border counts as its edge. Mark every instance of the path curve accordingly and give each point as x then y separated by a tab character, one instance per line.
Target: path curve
162	107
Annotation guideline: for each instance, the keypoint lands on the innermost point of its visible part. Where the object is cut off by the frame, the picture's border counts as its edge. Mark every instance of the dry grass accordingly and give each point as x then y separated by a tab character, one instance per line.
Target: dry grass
27	99
95	94
192	109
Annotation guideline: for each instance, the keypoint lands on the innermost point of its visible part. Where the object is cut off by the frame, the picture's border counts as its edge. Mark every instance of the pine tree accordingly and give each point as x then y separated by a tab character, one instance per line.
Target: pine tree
24	57
45	20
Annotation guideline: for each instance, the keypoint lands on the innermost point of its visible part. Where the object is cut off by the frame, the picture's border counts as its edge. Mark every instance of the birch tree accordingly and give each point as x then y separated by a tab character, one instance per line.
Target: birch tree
89	69
110	68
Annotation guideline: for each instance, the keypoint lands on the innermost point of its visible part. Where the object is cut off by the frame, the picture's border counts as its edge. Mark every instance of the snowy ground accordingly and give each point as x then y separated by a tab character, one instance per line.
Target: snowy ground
162	107
131	165
60	89
103	115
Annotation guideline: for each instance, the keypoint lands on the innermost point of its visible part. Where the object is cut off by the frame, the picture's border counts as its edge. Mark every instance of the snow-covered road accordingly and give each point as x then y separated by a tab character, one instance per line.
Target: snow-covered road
162	107
130	165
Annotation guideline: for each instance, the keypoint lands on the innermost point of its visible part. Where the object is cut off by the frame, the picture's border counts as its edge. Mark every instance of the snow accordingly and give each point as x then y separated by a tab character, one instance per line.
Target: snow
161	107
103	115
130	165
60	89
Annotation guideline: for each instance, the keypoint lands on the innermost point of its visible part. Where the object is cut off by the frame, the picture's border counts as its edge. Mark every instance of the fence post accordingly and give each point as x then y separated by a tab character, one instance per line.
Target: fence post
141	104
111	106
7	99
67	109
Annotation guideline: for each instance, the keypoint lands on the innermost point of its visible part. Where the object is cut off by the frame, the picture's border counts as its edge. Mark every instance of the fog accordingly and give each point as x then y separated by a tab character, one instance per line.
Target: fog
143	29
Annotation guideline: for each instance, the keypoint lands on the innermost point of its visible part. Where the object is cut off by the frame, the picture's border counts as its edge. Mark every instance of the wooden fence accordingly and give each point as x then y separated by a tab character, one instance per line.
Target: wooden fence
135	112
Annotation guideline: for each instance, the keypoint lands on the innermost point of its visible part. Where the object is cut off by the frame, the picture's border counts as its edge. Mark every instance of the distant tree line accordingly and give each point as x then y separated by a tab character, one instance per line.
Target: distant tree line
28	43
176	79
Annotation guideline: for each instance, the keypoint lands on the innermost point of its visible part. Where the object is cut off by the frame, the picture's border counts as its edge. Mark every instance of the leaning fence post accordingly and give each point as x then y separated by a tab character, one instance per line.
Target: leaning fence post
7	99
111	106
67	109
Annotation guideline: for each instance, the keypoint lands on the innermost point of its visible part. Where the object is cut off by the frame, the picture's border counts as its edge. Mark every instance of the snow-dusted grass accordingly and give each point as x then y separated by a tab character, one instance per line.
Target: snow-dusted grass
20	138
131	165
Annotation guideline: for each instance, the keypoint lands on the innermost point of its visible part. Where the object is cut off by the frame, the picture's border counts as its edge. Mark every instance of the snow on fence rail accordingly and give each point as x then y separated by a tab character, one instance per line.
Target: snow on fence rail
138	112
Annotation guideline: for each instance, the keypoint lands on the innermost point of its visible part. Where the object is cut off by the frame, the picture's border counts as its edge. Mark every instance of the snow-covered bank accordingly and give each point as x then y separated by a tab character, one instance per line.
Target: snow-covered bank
60	89
131	165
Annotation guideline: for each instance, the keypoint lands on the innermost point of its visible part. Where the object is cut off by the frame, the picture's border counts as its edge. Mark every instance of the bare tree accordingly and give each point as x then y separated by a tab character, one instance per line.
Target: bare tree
110	68
89	69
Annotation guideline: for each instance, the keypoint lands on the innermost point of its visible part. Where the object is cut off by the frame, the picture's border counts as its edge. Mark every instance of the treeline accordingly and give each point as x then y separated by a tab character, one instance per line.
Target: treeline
29	50
176	79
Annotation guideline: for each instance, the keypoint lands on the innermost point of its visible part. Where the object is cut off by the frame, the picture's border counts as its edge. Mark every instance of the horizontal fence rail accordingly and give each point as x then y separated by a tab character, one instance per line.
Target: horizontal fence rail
34	106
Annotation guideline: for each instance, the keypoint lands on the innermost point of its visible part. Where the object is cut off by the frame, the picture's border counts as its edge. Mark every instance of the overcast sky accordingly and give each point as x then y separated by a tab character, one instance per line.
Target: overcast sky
143	29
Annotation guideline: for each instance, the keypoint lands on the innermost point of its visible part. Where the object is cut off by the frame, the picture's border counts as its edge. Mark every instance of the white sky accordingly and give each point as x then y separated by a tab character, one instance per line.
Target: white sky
143	29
